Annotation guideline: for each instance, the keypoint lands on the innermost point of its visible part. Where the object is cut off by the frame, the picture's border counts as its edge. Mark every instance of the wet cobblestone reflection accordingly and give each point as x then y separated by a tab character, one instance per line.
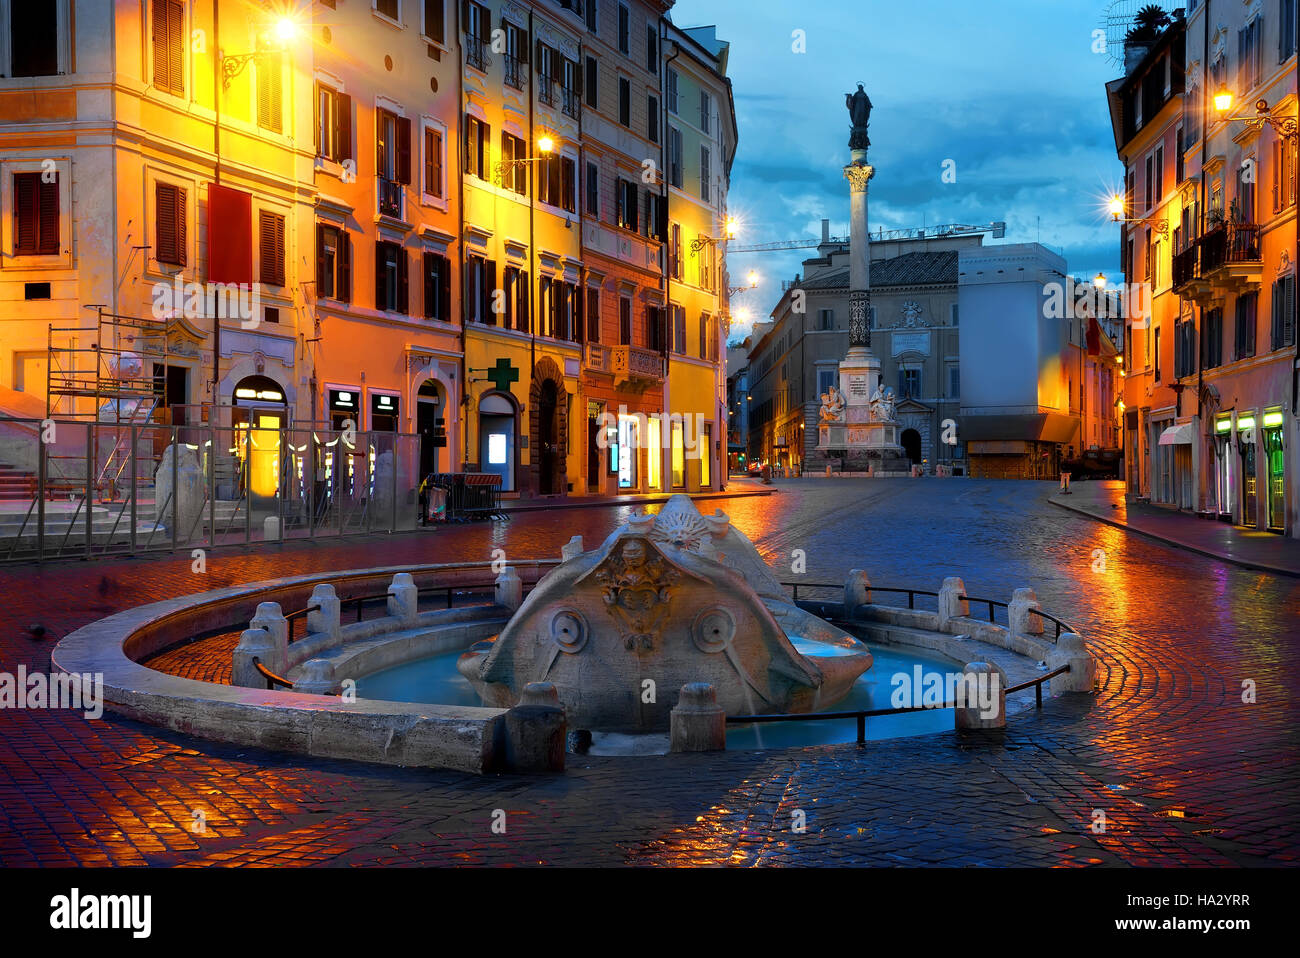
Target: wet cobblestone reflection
1183	770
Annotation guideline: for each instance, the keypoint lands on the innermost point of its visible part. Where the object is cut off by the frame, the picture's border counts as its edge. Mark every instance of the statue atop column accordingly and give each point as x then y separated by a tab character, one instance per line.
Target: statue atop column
859	107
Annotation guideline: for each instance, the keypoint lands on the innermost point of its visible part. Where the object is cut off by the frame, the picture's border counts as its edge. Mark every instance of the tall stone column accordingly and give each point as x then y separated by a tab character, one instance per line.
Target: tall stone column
859	174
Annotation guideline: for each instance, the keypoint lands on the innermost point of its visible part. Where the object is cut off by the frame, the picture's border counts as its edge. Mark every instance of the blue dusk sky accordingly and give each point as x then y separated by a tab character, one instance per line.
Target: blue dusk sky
1010	91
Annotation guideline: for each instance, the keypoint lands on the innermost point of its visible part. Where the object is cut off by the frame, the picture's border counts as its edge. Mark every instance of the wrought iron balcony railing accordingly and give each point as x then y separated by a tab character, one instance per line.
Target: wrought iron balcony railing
390	198
515	72
476	53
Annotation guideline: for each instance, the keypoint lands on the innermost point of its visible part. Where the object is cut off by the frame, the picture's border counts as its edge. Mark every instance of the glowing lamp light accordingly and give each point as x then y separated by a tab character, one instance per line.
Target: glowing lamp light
1099	281
1116	206
546	143
730	228
285	30
1272	419
1223	100
1223	425
753	279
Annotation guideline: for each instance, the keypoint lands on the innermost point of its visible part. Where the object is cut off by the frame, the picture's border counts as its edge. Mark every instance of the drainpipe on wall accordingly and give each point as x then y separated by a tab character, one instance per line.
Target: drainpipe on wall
532	271
1200	338
665	467
460	235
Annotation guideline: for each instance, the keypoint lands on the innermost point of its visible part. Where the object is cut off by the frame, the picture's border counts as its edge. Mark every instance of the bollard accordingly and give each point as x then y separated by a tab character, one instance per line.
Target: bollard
1065	484
857	591
509	589
697	723
982	696
317	678
1022	613
253	644
951	605
1071	650
404	599
269	617
536	731
271	528
323	612
571	548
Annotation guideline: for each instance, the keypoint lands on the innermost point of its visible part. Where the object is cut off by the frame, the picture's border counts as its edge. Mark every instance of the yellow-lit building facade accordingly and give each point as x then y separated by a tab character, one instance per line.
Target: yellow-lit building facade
426	207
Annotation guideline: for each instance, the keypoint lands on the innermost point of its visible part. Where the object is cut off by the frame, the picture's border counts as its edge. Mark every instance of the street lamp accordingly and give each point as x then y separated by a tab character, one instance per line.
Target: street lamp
545	149
1284	126
282	33
1116	209
752	277
1099	281
730	228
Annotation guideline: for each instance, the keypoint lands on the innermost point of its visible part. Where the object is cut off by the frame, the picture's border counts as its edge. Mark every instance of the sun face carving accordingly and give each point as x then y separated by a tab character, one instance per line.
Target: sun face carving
681	529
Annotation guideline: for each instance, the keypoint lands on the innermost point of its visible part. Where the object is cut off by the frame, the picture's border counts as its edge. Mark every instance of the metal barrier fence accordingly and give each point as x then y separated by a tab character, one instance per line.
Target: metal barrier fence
84	489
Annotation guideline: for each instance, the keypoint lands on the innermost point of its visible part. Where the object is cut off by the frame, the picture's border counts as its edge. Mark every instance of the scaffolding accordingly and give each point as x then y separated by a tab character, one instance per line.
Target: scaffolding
97	374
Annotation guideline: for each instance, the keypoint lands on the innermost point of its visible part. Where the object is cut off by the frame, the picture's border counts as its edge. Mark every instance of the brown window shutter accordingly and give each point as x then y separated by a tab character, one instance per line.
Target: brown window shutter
403	282
381	117
403	150
489	284
176	47
444	290
279	251
485	26
343	126
26	214
161	62
180	226
430	290
271	246
323	279
464	14
164	223
343	288
49	217
381	269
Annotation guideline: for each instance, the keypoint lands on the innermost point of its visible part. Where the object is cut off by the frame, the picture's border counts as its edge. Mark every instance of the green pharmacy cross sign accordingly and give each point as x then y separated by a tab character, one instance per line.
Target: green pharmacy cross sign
501	375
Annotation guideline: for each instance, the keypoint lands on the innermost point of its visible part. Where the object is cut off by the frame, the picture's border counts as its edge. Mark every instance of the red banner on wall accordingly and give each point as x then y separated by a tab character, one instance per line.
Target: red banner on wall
230	235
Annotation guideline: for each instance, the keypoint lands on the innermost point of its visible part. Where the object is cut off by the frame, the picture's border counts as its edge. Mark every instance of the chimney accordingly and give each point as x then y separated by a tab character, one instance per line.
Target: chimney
826	231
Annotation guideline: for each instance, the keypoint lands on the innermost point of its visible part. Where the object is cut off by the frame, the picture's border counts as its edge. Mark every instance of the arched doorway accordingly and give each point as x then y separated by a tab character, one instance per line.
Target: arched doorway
258	414
496	438
548	407
548	434
911	443
431	424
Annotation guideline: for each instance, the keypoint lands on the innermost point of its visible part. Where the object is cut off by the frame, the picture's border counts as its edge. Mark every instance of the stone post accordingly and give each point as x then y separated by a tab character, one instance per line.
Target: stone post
697	723
323	612
271	529
316	678
984	702
269	617
536	731
510	589
253	644
951	605
857	591
571	548
1071	650
1022	613
404	599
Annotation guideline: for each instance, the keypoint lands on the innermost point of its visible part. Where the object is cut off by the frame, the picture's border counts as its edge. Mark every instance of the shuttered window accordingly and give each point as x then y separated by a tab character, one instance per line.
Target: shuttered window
333	263
434	21
437	287
391	280
270	79
270	246
333	124
169	224
433	162
168	29
36	214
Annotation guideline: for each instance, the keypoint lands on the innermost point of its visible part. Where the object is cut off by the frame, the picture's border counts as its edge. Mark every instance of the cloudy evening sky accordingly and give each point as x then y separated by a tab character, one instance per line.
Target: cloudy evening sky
1010	90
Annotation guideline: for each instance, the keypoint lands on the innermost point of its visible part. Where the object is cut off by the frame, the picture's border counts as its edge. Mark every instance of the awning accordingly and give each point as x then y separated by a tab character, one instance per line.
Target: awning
1177	435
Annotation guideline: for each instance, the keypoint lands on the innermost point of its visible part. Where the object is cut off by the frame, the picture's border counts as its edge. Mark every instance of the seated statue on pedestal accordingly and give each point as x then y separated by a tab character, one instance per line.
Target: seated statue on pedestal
833	403
882	404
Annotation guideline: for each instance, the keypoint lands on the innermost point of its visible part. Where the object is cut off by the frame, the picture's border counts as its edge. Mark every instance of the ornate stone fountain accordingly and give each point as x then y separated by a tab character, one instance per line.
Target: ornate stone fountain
665	601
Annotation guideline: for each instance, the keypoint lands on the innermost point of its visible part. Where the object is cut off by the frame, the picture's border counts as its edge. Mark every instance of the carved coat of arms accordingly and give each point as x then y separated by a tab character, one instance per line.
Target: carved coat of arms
637	589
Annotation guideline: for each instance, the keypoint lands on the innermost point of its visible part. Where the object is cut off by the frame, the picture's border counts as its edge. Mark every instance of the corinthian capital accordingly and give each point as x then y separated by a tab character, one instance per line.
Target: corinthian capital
859	176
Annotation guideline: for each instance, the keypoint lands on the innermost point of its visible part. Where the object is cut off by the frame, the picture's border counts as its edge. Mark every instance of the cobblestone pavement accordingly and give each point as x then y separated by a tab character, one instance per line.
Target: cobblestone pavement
1184	771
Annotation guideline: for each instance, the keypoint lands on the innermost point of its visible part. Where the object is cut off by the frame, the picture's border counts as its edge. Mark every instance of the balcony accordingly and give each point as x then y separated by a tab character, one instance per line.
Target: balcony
546	90
635	366
515	73
476	53
390	198
596	358
570	105
1225	259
